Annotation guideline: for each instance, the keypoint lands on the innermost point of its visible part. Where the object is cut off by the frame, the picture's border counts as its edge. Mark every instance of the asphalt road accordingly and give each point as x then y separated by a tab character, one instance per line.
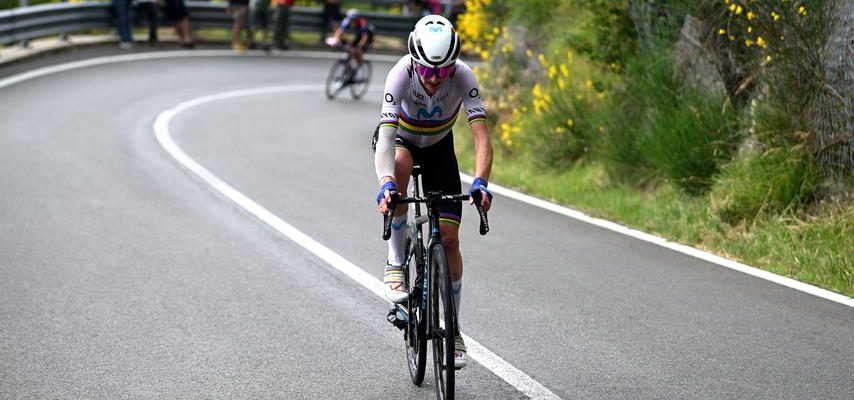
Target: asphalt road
122	275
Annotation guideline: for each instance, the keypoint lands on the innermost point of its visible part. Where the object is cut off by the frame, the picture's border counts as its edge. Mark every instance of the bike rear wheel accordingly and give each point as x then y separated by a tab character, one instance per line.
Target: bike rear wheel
416	327
442	323
361	79
336	80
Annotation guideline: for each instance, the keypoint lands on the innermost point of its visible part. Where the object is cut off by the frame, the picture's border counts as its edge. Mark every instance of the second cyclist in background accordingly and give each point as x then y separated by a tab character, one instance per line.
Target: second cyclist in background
362	29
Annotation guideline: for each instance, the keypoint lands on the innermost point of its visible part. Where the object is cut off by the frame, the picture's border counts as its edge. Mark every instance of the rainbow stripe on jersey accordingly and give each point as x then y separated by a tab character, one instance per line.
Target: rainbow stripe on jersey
427	127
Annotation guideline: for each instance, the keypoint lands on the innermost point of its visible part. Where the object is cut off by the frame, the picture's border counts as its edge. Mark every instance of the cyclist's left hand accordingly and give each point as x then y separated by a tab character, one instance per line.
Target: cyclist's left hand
480	184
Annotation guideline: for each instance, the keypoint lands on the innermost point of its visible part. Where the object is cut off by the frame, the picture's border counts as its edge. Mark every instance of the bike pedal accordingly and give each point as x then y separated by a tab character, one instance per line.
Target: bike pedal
392	318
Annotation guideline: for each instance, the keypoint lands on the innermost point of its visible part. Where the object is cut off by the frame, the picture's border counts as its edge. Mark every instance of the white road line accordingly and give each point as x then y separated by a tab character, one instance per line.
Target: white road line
782	280
479	353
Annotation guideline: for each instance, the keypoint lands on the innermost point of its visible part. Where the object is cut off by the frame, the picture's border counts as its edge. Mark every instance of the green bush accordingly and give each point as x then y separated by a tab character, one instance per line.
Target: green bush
772	181
602	30
662	128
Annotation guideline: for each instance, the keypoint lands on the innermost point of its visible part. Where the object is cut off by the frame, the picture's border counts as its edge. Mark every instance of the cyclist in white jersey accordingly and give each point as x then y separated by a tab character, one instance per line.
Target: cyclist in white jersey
424	93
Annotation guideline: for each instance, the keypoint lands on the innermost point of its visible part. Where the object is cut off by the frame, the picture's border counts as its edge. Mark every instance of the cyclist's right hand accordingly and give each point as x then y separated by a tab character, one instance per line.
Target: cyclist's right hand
384	196
332	41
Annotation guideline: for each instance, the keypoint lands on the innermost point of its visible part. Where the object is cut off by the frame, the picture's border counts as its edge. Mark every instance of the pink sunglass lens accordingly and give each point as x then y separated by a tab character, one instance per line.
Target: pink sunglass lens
427	72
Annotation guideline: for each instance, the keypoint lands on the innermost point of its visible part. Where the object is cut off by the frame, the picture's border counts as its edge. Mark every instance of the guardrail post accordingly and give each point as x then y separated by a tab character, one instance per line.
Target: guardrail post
24	43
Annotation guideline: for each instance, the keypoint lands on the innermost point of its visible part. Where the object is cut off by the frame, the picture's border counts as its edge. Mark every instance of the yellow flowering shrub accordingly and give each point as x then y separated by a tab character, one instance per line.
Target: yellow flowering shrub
761	26
561	127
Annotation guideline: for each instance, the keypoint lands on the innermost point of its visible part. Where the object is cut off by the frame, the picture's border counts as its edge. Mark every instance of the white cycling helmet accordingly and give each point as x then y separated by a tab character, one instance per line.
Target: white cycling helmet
434	42
352	13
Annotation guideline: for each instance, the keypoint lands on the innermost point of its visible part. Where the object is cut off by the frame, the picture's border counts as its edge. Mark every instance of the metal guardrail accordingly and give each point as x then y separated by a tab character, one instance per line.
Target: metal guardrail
22	24
27	23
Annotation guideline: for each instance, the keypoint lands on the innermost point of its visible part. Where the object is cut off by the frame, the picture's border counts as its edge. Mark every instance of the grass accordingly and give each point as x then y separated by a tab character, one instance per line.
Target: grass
812	246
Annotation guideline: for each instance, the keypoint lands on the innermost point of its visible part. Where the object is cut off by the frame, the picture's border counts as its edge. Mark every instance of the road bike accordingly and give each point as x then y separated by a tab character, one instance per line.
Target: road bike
348	72
428	314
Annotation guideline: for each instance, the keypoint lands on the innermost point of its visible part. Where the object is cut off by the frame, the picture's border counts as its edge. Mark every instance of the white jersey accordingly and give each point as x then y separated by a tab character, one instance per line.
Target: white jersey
424	120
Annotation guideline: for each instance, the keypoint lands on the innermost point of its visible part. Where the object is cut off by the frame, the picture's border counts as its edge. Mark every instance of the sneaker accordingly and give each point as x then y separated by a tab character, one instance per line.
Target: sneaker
395	287
126	45
460	359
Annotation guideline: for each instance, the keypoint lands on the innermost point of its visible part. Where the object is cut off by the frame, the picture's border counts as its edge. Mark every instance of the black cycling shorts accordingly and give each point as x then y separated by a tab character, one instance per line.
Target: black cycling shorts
358	38
439	172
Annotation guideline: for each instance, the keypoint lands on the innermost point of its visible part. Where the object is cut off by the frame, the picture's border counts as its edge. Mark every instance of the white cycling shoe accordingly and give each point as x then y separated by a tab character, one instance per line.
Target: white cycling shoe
460	359
395	287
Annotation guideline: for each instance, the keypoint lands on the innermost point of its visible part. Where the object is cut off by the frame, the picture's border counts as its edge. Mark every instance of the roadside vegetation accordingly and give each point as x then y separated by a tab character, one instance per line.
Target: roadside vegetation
717	124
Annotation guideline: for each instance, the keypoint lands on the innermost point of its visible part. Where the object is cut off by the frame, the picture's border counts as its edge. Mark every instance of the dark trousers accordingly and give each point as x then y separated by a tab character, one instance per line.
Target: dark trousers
280	32
331	16
150	13
123	9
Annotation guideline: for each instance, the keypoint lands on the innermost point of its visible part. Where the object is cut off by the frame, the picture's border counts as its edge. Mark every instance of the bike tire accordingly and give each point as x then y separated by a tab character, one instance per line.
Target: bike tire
335	79
416	328
442	323
361	80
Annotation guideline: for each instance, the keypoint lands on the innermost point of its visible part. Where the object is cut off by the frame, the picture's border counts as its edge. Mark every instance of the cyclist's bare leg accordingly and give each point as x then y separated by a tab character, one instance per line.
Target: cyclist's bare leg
402	172
451	241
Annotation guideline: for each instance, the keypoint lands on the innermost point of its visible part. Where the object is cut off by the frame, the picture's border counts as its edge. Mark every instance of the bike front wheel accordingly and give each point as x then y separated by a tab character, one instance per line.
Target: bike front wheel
416	327
361	79
336	80
442	323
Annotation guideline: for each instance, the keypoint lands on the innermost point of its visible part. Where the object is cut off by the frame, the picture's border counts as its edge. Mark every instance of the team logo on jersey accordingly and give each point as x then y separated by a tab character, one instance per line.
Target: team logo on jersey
422	113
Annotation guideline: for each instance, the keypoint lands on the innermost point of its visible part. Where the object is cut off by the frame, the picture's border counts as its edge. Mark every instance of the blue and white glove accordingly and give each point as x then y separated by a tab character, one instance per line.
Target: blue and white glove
390	186
480	184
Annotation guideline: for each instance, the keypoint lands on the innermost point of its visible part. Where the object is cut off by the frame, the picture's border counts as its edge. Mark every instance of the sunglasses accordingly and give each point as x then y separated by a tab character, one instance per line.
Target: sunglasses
427	72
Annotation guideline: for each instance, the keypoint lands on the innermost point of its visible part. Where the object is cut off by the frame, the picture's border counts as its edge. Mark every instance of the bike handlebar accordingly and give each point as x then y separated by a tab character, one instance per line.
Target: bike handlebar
397	199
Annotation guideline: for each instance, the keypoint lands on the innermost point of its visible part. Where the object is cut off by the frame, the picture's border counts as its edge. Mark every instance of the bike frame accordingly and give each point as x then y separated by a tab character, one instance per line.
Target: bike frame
435	238
421	293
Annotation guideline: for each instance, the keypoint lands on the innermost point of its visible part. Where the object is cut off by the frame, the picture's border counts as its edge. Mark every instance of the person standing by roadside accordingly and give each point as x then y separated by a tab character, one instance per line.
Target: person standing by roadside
331	17
433	6
239	10
282	16
123	10
176	10
260	10
150	11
